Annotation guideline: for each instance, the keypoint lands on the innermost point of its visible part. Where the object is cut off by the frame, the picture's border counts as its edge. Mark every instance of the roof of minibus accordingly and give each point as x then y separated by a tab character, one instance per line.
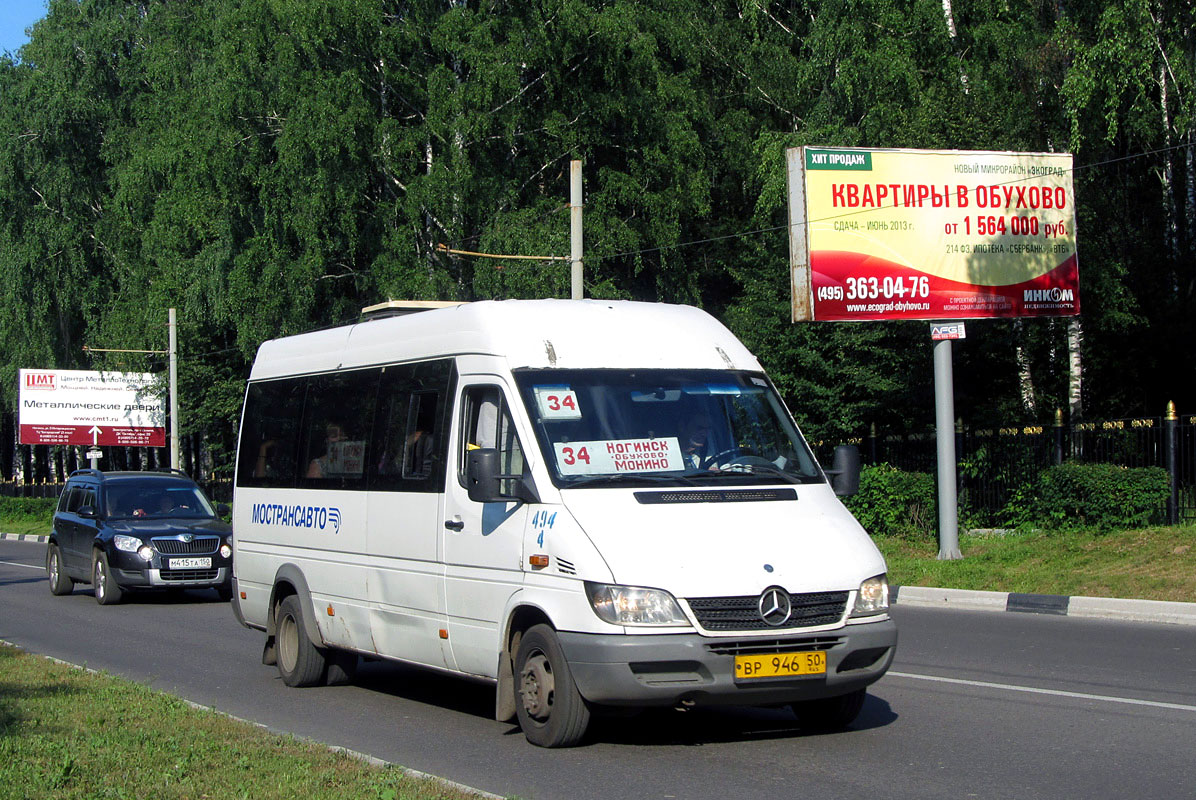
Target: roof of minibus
528	333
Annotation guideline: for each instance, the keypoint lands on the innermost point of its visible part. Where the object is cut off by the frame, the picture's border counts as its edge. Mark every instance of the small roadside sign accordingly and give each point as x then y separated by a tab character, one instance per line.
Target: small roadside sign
950	330
95	454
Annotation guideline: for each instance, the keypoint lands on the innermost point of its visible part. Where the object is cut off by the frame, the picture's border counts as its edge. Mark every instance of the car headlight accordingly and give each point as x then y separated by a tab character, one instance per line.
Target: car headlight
128	544
873	597
225	551
632	605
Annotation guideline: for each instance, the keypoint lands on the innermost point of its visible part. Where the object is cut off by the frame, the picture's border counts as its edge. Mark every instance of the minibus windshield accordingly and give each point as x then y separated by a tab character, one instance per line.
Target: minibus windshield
605	427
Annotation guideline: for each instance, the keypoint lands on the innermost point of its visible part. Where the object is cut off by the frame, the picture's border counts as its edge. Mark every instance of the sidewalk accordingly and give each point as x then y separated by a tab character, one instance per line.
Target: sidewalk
1160	611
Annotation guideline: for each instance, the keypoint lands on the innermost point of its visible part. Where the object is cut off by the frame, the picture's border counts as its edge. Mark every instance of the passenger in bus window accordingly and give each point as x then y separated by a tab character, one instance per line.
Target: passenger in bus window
262	466
324	466
418	454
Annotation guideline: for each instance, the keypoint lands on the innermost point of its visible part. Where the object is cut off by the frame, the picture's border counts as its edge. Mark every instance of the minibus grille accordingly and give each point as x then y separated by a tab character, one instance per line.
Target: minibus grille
756	647
177	545
743	613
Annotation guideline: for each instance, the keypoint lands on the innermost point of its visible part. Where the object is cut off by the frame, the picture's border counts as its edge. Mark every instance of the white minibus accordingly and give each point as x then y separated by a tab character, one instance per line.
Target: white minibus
595	505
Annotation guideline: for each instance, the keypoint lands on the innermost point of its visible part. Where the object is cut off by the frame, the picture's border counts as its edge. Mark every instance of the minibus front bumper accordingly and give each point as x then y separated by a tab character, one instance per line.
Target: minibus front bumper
691	669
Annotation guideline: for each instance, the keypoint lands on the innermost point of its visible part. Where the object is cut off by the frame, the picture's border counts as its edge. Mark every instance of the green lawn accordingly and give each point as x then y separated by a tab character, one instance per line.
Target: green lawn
25	526
66	733
1150	564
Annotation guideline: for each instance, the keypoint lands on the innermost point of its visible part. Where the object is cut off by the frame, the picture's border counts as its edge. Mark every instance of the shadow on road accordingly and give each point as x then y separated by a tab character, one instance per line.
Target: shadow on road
643	728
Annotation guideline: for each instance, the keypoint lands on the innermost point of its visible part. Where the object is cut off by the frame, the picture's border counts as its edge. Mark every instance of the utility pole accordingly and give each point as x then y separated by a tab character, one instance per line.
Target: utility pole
575	203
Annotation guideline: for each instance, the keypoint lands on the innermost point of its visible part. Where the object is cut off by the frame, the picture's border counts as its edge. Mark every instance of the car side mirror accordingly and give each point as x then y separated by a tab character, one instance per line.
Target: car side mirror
845	470
223	509
87	512
485	484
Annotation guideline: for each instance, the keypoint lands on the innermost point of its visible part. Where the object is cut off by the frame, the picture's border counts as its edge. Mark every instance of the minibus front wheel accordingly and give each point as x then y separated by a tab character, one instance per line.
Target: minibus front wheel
551	712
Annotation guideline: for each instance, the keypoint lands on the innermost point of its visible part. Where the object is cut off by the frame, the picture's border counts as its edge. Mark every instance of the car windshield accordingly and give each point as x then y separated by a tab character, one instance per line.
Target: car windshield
157	501
664	427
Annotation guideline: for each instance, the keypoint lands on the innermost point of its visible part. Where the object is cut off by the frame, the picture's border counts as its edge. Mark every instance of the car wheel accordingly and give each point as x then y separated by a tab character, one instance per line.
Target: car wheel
60	584
108	592
225	591
300	663
551	711
830	713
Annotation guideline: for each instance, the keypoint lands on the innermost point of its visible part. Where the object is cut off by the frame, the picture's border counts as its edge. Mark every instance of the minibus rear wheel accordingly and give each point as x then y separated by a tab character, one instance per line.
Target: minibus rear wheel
299	662
552	713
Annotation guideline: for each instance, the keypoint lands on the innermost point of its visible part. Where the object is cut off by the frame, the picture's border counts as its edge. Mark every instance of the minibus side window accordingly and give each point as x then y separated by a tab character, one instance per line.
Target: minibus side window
409	440
337	420
487	423
268	436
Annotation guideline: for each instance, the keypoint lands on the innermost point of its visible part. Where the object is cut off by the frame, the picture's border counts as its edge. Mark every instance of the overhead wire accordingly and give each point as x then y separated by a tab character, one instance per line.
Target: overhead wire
846	213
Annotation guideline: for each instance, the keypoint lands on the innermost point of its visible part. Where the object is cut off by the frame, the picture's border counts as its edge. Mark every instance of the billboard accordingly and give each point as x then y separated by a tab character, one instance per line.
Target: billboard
79	407
931	234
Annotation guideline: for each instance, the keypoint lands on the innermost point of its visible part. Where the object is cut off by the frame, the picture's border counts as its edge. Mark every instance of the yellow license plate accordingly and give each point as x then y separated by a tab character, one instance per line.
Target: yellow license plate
780	665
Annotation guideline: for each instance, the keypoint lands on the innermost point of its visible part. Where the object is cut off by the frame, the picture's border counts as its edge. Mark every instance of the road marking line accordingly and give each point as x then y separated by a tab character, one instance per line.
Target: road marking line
26	566
1056	692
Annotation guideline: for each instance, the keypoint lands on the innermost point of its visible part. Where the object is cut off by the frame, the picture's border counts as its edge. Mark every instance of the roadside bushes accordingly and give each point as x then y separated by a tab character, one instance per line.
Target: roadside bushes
1100	496
895	503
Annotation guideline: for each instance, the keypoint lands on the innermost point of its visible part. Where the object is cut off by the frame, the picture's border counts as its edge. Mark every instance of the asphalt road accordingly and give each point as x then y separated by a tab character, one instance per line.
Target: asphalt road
978	704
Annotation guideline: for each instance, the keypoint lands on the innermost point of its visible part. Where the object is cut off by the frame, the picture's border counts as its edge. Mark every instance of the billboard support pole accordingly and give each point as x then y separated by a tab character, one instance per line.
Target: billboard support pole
944	418
174	390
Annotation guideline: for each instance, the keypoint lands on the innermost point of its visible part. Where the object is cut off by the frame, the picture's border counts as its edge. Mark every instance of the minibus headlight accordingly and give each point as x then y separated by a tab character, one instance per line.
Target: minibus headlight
632	605
128	544
873	597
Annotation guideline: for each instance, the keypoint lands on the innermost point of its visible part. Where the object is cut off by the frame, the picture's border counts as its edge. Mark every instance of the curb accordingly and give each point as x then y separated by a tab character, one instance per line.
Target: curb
25	537
1160	611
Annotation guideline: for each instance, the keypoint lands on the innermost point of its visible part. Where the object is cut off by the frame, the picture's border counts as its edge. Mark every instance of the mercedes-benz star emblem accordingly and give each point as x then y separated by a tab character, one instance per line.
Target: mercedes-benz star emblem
774	606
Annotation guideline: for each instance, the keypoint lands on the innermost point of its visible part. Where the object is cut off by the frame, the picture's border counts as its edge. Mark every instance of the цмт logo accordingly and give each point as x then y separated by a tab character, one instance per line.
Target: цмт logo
39	380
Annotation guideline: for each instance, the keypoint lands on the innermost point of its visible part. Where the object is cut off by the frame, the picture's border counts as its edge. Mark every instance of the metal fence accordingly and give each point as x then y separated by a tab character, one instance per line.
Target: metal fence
218	491
993	463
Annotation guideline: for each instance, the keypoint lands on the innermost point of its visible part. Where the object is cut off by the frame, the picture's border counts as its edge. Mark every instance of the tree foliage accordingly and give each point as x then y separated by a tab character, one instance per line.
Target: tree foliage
271	166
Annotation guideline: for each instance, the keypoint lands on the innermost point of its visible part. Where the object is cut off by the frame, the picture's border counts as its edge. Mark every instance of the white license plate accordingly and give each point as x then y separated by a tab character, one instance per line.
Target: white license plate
189	563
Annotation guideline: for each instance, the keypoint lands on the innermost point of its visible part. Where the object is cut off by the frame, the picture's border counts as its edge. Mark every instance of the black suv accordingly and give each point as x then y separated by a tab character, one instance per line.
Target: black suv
137	530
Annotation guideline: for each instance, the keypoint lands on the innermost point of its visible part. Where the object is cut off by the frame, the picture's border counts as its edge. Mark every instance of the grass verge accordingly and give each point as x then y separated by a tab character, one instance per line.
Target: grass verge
25	526
1149	564
67	733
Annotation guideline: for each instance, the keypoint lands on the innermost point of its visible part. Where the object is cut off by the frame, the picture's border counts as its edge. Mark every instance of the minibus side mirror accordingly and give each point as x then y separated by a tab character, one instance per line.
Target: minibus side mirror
845	470
88	512
485	484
